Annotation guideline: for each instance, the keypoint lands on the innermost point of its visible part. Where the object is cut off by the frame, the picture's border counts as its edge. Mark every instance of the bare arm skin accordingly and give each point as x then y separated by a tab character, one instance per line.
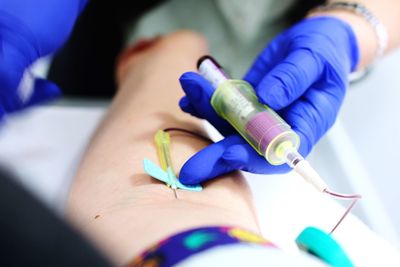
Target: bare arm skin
387	12
112	200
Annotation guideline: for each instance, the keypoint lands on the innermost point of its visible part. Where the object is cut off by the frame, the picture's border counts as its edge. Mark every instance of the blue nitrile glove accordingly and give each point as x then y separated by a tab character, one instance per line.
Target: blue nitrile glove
302	74
30	29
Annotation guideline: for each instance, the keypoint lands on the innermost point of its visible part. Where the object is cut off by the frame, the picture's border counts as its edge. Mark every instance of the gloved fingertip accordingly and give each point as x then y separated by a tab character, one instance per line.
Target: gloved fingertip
207	163
51	90
190	79
189	75
195	170
191	88
184	103
187	107
187	179
191	175
43	91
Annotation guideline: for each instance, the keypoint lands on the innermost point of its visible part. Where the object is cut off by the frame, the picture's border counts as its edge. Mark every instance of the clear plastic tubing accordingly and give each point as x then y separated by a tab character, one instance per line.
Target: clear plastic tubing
258	124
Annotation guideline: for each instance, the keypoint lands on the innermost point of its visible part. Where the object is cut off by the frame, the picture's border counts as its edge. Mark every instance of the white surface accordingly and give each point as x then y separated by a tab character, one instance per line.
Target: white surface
358	176
360	153
287	204
43	146
370	117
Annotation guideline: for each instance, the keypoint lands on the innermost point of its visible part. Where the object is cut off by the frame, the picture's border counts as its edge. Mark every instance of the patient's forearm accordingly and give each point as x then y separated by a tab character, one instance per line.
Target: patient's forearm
112	199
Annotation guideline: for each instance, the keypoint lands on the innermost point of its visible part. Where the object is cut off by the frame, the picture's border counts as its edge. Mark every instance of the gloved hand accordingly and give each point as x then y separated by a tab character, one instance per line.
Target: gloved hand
302	74
30	30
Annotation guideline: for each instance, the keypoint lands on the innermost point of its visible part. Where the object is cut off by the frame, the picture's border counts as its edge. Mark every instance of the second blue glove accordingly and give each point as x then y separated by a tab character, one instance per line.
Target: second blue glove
30	30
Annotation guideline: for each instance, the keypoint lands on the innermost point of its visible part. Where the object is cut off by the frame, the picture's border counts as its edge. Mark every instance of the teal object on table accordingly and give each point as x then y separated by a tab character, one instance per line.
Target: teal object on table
323	246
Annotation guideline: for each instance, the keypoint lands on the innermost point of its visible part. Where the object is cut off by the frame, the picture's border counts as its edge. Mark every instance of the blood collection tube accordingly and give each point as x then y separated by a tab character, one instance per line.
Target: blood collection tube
236	102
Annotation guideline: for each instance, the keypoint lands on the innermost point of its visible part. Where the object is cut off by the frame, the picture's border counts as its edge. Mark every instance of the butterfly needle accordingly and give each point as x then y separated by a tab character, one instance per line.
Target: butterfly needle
163	143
